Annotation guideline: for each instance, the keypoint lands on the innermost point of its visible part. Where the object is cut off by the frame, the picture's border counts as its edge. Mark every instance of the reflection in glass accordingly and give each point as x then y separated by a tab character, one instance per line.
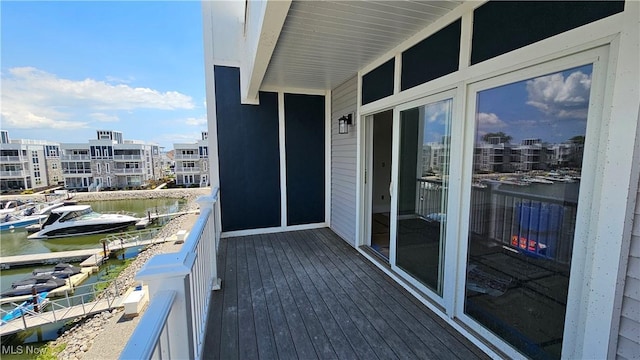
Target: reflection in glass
422	191
526	176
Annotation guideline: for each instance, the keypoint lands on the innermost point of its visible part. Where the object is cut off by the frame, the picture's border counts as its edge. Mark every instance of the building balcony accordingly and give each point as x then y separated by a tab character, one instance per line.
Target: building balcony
303	294
76	171
129	171
13	174
127	157
13	159
187	170
74	157
187	157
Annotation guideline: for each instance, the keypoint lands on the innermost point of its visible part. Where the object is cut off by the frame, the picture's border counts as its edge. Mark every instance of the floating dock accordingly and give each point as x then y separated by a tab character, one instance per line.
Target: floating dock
72	282
88	257
7	262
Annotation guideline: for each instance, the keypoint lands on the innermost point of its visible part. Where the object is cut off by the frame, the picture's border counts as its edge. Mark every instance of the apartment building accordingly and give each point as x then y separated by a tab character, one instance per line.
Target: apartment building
27	164
109	161
191	162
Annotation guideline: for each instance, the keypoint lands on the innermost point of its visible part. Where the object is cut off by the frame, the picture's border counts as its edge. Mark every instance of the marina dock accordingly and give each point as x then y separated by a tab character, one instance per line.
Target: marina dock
27	322
7	262
69	288
88	257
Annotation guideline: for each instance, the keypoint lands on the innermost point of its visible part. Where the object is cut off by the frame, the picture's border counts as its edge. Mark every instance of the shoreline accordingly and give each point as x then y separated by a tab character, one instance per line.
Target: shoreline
175	193
104	335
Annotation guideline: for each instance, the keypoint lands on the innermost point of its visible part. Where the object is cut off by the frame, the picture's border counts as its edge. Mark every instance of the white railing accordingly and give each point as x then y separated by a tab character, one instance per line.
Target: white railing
127	170
74	157
13	159
127	157
187	156
76	171
180	286
13	173
187	169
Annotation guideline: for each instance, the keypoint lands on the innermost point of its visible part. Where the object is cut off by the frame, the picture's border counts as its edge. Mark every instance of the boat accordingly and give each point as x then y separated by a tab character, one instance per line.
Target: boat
33	280
26	307
60	271
537	180
13	221
78	220
27	286
34	214
12	206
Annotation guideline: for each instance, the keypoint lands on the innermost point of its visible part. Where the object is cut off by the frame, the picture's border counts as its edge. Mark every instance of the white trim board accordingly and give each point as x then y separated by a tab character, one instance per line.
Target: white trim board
283	159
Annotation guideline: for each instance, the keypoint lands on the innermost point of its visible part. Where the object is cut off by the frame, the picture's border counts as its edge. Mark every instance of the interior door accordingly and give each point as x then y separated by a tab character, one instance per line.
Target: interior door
378	181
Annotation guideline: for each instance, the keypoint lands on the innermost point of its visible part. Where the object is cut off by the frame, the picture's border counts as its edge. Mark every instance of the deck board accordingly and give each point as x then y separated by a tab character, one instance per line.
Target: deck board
307	294
229	332
425	324
264	334
214	325
247	341
310	319
279	327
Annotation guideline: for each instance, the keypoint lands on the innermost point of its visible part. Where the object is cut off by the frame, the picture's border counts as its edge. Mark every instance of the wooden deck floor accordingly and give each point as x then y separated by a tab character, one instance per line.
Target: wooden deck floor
308	295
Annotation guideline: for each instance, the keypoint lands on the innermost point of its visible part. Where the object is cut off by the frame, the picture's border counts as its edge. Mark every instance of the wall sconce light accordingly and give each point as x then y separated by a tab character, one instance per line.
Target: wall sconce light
343	124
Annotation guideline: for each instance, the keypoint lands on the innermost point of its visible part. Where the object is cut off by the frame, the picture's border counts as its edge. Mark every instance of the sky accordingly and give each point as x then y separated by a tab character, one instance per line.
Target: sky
552	107
69	68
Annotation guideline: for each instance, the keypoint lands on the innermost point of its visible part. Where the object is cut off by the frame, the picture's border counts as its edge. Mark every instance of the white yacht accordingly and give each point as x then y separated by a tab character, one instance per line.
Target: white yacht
78	220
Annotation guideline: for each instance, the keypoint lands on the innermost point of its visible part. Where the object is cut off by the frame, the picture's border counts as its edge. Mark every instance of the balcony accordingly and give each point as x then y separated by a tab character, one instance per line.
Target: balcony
187	157
136	157
187	170
303	294
13	174
127	171
75	171
74	157
13	159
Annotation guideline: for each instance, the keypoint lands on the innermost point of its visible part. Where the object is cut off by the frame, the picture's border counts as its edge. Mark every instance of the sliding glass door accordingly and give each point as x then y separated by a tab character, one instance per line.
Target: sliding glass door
422	189
527	169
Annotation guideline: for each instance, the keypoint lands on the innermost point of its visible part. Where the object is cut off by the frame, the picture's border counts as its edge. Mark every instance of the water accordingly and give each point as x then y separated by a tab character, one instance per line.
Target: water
26	344
560	191
15	242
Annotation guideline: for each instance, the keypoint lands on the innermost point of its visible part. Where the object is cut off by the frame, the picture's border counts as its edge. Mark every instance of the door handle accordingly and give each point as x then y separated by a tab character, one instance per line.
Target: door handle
390	188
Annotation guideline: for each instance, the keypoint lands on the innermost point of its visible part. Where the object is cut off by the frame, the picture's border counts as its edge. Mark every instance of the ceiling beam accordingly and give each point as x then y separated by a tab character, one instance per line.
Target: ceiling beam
257	59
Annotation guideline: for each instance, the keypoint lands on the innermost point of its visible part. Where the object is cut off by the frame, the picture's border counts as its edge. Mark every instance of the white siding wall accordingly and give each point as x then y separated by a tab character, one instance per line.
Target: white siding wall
629	334
343	163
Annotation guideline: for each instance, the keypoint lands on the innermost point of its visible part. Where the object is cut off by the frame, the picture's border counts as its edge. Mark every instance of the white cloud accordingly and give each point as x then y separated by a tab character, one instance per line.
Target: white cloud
196	121
34	98
115	79
489	120
191	138
556	96
438	111
102	117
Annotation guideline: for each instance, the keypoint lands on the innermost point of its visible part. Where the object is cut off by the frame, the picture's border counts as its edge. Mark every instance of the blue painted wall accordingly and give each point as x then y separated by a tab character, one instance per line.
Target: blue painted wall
249	158
305	144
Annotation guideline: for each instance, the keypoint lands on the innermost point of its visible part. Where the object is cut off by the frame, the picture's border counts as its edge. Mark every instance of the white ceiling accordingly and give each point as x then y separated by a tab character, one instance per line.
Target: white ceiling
324	43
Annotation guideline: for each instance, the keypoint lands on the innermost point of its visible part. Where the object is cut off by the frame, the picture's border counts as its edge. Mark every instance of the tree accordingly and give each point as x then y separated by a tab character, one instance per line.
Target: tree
504	138
578	139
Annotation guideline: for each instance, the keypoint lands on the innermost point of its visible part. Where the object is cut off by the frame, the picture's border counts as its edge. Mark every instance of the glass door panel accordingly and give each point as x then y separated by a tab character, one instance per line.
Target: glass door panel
529	141
423	170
